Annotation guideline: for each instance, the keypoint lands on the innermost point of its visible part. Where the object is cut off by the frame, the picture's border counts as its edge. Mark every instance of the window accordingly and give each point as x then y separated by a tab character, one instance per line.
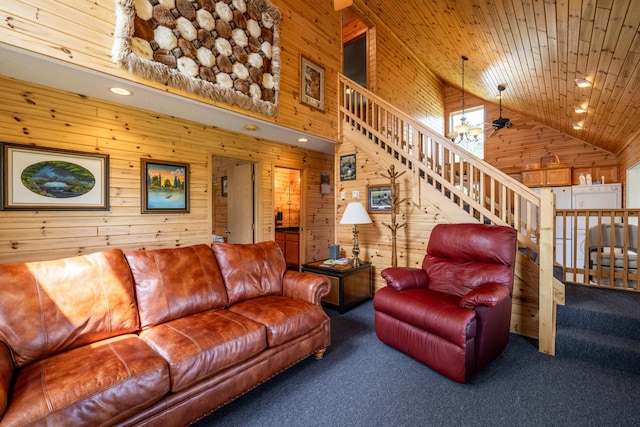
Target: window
475	118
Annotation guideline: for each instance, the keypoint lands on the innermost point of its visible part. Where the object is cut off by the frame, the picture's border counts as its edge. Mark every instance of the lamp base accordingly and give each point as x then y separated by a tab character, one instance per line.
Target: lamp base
356	249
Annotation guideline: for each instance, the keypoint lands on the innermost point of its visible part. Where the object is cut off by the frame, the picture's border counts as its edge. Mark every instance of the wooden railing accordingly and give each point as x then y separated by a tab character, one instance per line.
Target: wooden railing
487	194
599	247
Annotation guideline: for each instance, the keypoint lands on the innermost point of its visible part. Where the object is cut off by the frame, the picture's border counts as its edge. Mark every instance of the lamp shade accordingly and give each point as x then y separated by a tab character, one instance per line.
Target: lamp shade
355	213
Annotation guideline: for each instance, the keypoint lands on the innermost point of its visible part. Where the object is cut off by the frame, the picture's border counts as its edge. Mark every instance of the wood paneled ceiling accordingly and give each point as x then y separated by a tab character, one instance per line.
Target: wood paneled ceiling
537	48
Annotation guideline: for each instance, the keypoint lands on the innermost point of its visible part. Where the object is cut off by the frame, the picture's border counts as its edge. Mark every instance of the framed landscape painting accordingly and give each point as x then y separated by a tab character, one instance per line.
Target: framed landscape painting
40	178
165	186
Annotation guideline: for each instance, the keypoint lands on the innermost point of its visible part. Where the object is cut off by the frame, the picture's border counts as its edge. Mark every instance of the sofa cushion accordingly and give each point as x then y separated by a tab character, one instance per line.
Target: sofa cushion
48	307
285	318
202	344
250	270
428	310
172	283
96	384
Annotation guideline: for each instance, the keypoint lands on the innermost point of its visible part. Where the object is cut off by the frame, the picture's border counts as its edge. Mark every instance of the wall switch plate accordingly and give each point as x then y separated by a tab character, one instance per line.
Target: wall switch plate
342	195
355	194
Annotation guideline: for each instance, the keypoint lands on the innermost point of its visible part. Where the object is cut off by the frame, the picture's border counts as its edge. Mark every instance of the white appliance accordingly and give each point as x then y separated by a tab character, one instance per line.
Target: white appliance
563	196
607	196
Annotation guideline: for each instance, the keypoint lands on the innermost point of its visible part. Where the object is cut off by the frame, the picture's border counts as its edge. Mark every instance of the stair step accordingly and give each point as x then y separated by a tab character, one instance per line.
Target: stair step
605	311
602	349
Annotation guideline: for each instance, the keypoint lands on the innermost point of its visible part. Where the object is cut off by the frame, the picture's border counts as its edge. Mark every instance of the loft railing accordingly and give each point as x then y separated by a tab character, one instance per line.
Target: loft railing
598	247
486	193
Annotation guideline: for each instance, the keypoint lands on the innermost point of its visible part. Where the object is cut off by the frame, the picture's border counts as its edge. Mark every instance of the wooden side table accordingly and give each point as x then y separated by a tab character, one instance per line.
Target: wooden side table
350	285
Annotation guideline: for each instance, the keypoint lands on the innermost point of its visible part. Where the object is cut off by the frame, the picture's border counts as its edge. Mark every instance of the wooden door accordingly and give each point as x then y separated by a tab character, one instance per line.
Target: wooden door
240	204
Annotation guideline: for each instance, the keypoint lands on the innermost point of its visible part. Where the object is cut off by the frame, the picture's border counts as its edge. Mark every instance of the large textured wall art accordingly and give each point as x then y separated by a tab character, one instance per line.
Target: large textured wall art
225	50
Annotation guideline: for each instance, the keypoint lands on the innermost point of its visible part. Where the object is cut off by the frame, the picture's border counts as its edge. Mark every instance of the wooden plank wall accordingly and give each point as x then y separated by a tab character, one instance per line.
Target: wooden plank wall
81	33
287	200
41	116
515	148
401	78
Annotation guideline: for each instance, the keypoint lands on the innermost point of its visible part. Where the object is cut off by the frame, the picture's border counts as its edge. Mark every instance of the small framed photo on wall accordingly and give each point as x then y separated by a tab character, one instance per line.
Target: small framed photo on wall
348	167
312	84
379	198
165	186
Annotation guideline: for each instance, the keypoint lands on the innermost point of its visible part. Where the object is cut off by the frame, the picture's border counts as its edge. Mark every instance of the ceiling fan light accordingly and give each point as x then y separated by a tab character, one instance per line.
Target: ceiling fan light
579	109
583	83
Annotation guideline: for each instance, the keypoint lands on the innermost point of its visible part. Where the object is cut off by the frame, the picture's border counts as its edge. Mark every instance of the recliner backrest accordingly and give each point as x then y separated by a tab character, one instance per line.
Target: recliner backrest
461	257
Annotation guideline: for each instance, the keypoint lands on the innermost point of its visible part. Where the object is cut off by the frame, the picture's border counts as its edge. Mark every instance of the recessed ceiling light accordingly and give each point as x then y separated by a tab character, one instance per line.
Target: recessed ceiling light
583	83
579	109
577	126
120	91
251	128
302	140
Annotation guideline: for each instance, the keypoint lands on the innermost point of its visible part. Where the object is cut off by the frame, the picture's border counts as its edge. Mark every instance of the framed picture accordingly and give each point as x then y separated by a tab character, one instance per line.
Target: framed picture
39	178
165	186
379	198
223	182
311	84
348	167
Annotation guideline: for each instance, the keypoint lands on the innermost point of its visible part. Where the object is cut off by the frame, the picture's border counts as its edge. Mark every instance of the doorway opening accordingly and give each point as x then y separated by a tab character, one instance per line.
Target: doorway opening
287	192
233	210
358	50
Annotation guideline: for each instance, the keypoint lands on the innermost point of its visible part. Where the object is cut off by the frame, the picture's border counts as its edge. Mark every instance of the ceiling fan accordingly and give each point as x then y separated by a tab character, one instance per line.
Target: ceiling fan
501	122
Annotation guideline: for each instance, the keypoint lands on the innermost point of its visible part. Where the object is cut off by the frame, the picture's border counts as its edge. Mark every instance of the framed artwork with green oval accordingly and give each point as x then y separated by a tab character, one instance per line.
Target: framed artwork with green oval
40	178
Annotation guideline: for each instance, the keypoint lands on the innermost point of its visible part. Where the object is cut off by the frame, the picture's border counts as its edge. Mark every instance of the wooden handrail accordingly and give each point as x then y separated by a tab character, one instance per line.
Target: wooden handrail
485	192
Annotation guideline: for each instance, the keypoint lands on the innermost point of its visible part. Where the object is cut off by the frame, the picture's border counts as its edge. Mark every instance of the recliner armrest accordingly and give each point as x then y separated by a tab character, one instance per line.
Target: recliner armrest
304	286
488	295
400	278
6	374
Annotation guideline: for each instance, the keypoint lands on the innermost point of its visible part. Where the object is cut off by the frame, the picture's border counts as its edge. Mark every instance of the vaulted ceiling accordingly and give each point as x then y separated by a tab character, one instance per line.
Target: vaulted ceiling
537	48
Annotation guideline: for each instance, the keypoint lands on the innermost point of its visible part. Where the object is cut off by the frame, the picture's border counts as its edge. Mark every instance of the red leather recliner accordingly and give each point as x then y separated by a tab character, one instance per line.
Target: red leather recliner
454	313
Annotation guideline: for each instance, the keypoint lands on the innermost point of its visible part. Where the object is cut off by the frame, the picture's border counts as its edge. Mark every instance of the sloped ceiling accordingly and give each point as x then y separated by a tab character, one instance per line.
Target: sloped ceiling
537	48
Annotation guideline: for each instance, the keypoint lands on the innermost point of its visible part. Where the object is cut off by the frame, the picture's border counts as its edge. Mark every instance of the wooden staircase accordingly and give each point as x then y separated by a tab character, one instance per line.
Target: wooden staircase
442	171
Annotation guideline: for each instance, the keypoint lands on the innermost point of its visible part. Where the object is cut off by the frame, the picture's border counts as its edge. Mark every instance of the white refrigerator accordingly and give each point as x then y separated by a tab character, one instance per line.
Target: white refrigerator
563	196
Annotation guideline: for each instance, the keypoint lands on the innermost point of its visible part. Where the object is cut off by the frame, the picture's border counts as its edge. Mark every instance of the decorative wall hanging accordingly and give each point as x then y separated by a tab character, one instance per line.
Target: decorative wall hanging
223	182
225	50
165	186
325	183
39	178
348	167
311	84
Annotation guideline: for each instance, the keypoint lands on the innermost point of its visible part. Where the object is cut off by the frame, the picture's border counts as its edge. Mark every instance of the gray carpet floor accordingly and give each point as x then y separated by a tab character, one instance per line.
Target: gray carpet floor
363	382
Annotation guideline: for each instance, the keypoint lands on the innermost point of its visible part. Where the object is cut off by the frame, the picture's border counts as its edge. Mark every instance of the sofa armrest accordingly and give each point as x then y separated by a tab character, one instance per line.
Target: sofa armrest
400	278
6	375
304	286
488	295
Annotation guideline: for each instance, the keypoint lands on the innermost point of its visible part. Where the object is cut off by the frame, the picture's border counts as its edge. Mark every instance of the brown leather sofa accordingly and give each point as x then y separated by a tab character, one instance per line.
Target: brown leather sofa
454	313
157	337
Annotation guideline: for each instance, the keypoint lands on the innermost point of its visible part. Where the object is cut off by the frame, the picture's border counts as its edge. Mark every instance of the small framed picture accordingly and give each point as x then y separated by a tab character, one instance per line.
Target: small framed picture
223	185
379	198
39	178
165	186
348	167
311	84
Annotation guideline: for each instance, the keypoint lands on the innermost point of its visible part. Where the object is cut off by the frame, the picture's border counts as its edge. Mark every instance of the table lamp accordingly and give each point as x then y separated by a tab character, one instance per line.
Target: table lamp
355	214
